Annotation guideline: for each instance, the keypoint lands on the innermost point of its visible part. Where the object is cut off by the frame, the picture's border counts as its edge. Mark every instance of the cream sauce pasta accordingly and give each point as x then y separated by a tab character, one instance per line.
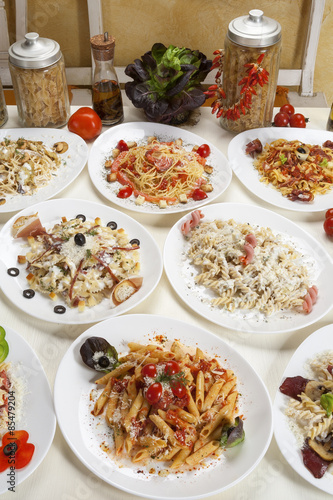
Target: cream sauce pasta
249	267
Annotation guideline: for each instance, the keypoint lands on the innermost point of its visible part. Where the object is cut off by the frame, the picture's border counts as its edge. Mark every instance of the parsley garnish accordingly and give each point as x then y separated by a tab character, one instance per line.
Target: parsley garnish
323	162
177	377
93	232
283	159
88	253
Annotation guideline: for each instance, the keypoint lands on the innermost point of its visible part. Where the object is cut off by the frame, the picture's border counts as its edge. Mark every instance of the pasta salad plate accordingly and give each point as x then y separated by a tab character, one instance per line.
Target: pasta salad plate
309	362
23	151
93	441
243	166
249	269
74	261
30	409
151	177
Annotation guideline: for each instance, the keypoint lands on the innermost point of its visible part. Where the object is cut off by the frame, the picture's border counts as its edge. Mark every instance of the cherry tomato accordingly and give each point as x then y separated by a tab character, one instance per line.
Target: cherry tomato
203	150
281	119
297	120
329	213
149	370
154	393
125	192
122	146
328	226
171	367
287	108
86	123
178	389
199	194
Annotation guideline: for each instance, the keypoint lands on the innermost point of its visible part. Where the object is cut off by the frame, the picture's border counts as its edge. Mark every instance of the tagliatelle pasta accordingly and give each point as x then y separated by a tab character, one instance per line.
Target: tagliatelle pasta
25	166
168	426
299	171
248	267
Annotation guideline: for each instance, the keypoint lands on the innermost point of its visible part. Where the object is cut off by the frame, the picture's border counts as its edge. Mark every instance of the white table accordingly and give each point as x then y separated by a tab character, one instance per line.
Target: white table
61	475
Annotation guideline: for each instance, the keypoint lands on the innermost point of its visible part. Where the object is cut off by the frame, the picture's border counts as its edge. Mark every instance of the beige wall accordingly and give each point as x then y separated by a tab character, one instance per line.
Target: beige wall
198	24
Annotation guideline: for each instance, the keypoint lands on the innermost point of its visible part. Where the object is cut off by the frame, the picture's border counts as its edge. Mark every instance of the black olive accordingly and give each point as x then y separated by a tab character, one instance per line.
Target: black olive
13	271
82	217
135	241
301	150
103	362
10	449
28	293
112	225
59	309
80	239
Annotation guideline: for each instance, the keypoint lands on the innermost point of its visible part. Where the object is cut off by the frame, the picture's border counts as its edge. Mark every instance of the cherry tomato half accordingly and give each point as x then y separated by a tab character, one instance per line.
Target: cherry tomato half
122	146
328	226
287	108
281	119
178	389
125	192
199	194
154	393
329	213
203	150
149	370
171	367
297	120
86	123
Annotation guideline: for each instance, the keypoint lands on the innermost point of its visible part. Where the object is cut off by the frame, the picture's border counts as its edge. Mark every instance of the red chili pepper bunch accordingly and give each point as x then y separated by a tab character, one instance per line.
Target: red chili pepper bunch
256	75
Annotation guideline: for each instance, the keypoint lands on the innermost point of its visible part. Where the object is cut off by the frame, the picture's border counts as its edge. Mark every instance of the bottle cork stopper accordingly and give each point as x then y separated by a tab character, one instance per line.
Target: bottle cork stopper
103	46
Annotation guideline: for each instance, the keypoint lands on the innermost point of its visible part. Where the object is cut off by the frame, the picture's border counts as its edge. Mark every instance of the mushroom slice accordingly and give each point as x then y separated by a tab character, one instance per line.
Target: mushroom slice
323	448
315	389
125	289
302	152
60	147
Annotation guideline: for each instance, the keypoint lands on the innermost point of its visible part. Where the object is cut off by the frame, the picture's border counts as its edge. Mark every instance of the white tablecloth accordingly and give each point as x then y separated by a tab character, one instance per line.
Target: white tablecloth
61	475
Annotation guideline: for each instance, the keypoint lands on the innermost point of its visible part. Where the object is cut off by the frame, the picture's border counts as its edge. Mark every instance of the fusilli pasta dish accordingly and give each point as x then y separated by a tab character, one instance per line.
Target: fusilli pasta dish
25	166
310	410
299	171
248	267
163	173
169	405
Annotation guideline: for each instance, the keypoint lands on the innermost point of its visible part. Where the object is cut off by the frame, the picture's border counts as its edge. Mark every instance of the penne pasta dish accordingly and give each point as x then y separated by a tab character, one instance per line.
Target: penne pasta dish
174	406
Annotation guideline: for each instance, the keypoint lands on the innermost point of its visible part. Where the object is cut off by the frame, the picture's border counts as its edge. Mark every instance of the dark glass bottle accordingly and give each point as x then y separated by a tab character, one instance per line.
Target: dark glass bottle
106	94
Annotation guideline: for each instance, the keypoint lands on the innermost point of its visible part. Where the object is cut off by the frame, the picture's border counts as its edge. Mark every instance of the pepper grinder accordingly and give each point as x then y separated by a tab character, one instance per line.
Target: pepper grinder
106	94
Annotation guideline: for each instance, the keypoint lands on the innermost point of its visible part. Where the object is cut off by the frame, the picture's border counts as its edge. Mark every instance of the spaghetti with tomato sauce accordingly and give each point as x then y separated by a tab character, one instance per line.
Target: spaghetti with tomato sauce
162	173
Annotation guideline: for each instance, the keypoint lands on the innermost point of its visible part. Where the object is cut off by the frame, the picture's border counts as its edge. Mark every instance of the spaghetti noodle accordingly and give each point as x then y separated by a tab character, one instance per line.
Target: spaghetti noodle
163	173
25	166
299	171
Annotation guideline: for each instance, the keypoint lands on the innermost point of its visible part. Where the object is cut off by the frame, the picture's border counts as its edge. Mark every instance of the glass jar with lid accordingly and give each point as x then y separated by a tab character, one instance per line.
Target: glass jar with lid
250	70
3	107
38	74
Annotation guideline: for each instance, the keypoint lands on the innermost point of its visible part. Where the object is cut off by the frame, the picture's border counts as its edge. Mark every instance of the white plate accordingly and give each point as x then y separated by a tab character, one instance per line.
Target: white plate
242	165
72	162
236	463
50	212
318	342
38	416
198	298
139	131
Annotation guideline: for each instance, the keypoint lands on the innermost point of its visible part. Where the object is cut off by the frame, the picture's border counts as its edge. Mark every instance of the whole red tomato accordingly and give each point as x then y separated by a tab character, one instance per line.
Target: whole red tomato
297	120
328	226
281	119
287	108
86	123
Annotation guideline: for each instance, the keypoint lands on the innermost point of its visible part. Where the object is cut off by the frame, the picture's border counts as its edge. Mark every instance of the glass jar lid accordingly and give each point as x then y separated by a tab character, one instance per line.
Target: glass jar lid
254	30
34	52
